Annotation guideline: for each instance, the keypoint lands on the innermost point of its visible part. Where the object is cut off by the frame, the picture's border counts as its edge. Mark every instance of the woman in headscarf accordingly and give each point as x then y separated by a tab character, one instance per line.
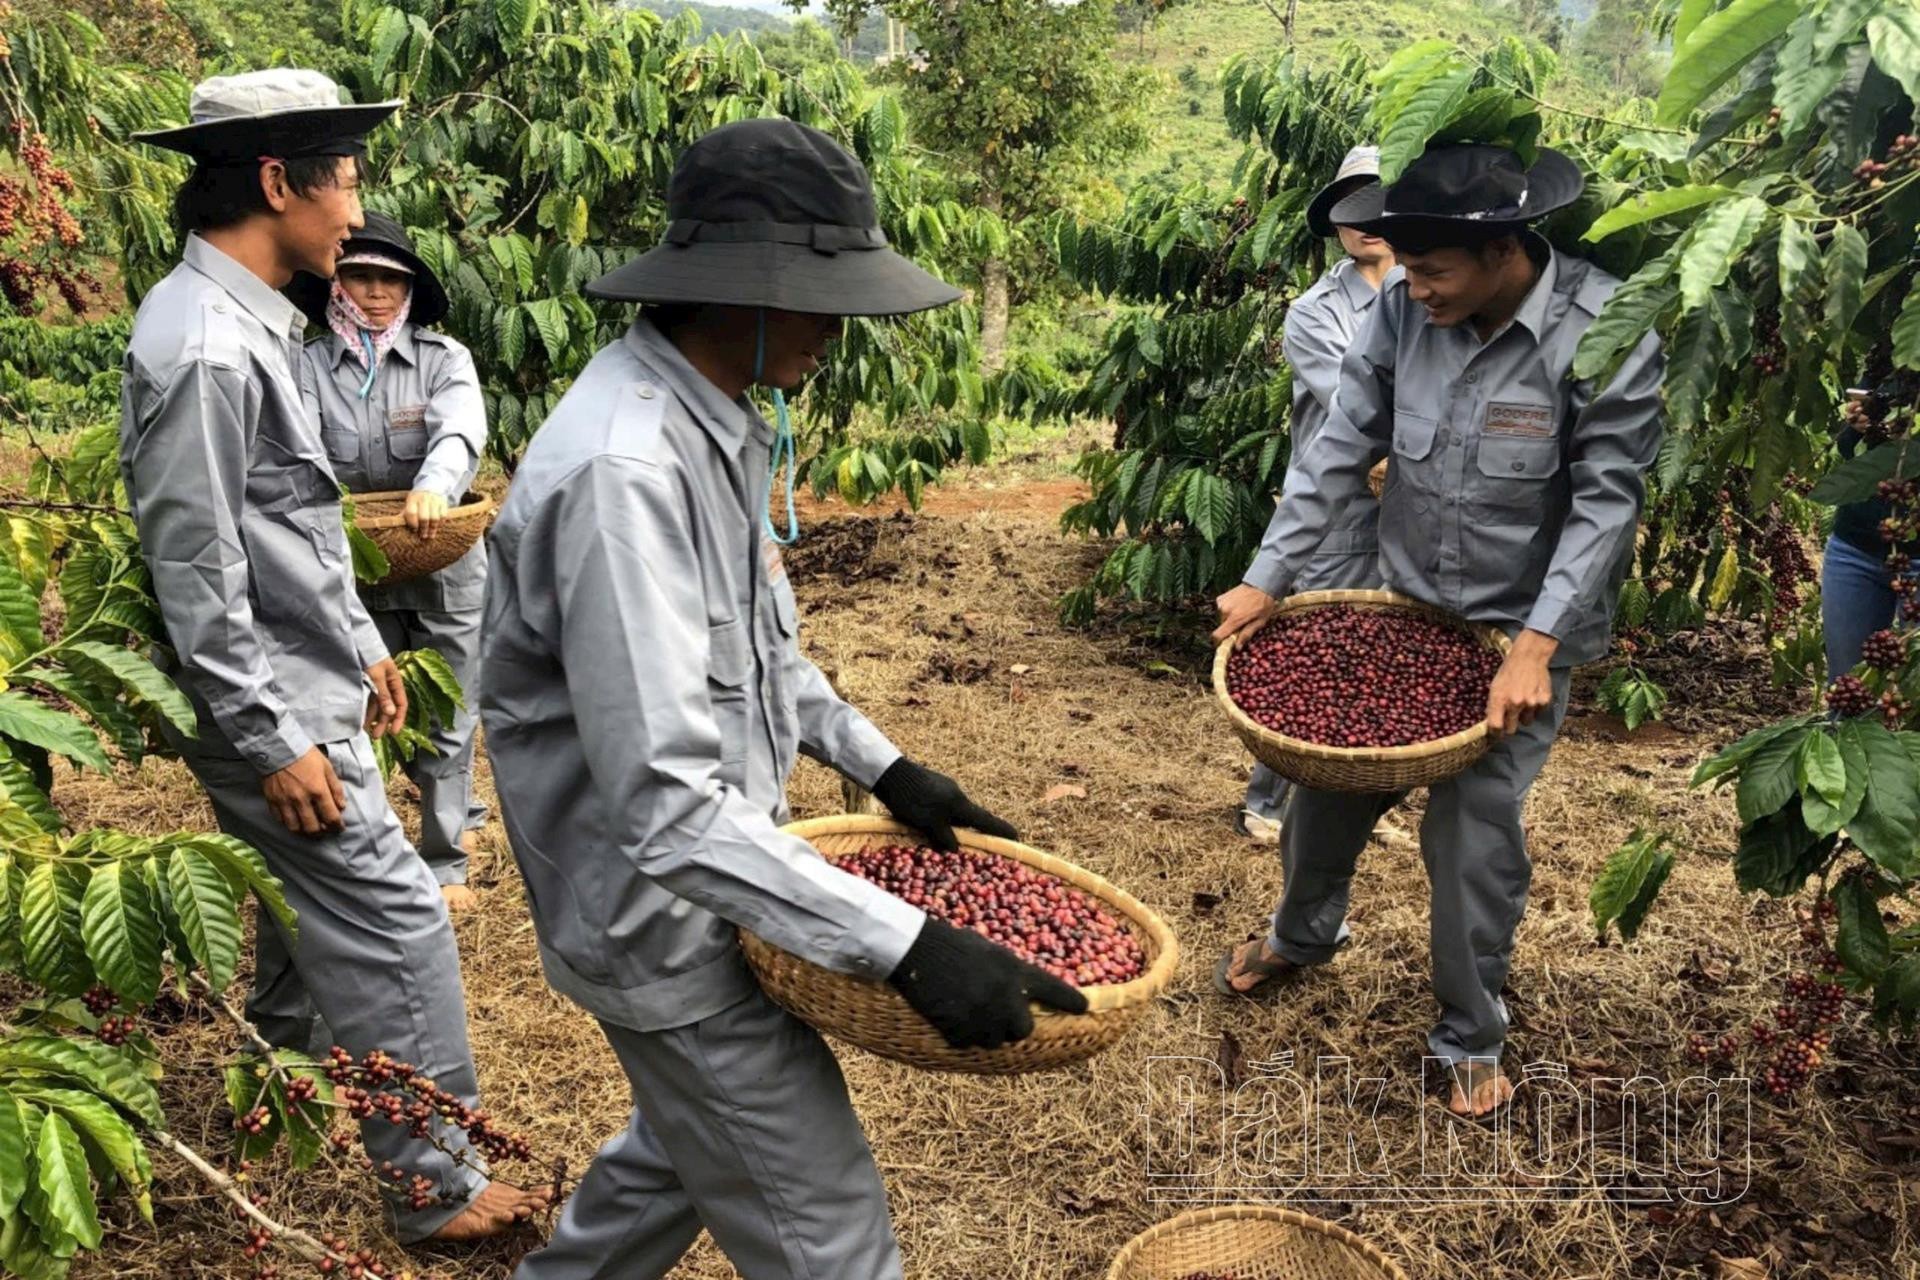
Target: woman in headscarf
400	408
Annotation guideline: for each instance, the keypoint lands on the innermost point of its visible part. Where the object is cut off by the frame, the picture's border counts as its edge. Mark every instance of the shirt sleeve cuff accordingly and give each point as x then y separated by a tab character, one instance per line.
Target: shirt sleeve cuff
274	750
1549	616
1267	574
889	928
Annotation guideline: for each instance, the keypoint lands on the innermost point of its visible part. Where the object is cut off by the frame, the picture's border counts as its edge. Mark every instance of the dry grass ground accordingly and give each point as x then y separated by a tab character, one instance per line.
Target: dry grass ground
1044	1177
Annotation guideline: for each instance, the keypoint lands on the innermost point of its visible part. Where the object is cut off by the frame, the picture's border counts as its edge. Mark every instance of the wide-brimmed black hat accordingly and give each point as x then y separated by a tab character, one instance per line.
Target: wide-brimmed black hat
381	238
770	213
1360	167
280	114
1459	185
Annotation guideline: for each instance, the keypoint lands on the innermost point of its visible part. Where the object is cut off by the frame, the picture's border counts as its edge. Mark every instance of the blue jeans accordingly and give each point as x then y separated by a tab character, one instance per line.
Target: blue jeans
1856	600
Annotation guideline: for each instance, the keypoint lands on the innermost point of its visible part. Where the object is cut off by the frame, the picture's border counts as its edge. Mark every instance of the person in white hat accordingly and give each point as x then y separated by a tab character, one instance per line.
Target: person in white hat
1320	325
240	525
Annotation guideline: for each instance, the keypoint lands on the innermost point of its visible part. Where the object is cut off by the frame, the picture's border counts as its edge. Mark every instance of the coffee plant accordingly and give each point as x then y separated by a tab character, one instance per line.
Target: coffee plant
1773	253
533	154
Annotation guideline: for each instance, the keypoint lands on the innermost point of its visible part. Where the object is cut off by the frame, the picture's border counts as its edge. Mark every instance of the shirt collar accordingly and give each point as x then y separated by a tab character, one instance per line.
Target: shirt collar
1534	310
1360	295
403	346
729	422
264	303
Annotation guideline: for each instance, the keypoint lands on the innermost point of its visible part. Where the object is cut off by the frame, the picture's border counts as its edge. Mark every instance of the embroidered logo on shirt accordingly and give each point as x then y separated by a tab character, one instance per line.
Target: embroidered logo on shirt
1533	421
410	418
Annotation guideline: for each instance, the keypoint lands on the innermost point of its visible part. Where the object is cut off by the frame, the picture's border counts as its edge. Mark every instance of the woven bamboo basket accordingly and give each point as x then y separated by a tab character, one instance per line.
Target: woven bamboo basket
378	515
878	1019
1374	769
1251	1242
1377	478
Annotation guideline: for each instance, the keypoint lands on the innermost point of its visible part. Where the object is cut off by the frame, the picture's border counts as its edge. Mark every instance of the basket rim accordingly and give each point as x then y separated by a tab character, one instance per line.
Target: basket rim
475	504
1307	601
1252	1212
1100	999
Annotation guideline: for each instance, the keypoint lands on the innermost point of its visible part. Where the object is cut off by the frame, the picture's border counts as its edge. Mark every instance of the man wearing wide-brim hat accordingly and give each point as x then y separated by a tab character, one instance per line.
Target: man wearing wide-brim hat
1512	499
240	524
1321	324
645	698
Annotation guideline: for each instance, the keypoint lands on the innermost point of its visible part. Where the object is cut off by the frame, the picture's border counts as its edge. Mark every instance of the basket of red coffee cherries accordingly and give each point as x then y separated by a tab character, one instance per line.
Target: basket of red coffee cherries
1250	1242
1361	691
1051	913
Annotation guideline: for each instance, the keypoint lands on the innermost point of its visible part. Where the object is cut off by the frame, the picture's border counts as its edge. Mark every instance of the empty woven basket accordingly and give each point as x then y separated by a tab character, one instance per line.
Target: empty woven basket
1251	1242
1374	769
877	1018
378	515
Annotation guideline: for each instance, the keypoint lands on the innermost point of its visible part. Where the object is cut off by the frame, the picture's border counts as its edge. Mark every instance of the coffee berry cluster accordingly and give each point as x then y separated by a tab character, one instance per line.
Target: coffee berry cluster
1797	1035
1874	172
352	1263
1034	915
1788	568
1346	677
1769	352
379	1084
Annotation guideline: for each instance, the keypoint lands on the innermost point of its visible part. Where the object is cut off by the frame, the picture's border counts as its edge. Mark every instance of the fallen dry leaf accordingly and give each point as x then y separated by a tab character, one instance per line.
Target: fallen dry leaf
1232	1059
1064	791
1019	668
1739	1268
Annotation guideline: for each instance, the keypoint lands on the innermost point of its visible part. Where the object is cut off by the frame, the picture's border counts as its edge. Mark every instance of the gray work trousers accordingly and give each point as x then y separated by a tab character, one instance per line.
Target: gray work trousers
375	966
447	808
741	1124
1475	850
1342	569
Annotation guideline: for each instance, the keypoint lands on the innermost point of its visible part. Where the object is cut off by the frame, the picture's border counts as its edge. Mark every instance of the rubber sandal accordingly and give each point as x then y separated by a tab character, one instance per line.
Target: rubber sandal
1475	1074
1272	971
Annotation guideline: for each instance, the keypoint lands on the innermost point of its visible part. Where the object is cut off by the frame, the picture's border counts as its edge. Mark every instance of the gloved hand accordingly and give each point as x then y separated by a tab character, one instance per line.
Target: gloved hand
973	991
933	804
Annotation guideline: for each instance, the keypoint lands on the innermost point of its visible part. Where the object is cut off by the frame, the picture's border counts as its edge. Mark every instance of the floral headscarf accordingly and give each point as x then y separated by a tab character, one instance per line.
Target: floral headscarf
364	343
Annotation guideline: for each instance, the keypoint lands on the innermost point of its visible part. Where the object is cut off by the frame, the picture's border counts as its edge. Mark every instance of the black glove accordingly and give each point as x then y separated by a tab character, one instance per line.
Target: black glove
974	991
933	804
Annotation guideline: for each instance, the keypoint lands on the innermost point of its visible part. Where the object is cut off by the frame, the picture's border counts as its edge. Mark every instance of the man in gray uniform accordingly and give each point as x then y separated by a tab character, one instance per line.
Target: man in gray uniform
1320	325
1512	500
645	698
400	408
239	519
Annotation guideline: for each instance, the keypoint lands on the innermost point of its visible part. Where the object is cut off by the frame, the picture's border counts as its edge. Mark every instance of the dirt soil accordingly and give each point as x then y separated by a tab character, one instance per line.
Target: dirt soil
942	628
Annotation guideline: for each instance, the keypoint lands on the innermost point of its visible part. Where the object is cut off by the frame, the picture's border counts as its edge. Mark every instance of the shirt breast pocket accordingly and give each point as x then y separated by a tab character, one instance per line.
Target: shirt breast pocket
729	664
407	433
343	444
1513	478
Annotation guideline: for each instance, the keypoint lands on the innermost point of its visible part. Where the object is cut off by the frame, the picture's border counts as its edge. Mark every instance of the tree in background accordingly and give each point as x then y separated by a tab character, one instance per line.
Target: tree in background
1615	46
1539	20
1024	98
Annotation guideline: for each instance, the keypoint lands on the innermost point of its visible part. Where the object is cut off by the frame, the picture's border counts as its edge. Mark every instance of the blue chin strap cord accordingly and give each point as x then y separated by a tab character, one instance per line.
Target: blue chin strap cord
366	344
782	455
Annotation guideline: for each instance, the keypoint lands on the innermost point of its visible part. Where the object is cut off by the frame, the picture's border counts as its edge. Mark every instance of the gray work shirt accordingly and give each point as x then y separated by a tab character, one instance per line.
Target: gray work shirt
644	699
423	426
1514	488
1320	326
239	516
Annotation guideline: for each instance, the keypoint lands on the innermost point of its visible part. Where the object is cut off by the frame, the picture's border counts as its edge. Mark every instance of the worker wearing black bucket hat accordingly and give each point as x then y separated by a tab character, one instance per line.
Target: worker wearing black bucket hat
1511	499
240	525
645	698
400	409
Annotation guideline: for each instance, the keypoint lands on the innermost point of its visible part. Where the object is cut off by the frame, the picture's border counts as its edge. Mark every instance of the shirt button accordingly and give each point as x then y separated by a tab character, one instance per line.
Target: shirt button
1519	466
220	308
644	391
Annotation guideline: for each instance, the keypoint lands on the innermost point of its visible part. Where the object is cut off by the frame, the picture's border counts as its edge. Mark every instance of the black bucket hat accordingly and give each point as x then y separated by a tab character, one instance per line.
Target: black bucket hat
382	237
770	213
280	114
1461	185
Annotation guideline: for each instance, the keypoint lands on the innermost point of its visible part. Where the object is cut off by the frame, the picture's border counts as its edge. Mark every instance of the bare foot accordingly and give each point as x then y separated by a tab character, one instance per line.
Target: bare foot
494	1211
1479	1089
459	898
